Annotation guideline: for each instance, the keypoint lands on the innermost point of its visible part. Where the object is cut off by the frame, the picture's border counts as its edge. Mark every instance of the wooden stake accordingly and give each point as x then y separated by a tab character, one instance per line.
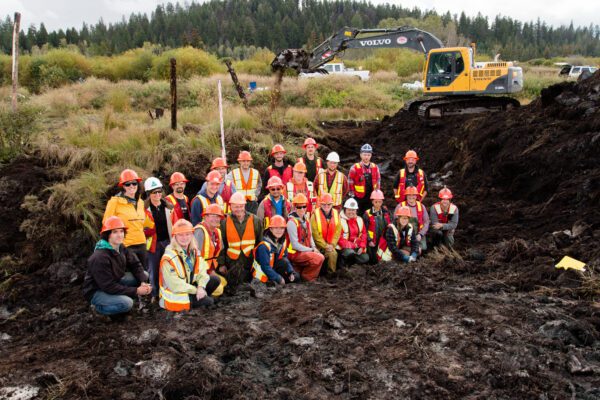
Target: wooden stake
15	60
173	94
221	120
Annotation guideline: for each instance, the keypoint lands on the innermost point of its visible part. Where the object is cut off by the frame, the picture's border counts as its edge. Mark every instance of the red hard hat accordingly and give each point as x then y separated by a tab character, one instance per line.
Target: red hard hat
128	175
411	154
411	190
377	195
310	141
214	177
112	223
326	198
177	177
277	222
274	181
244	156
219	162
182	226
213	209
445	194
403	211
278	149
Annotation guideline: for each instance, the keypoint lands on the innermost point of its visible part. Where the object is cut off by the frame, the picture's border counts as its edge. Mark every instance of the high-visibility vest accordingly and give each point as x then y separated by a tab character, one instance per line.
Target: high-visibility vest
336	189
247	188
304	235
218	200
210	250
174	301
383	254
268	207
443	217
285	177
346	229
257	272
309	192
177	211
358	180
398	238
327	228
420	212
400	194
237	245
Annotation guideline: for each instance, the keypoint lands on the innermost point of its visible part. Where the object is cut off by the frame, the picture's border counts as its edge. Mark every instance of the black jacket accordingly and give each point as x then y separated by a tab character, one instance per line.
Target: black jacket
404	232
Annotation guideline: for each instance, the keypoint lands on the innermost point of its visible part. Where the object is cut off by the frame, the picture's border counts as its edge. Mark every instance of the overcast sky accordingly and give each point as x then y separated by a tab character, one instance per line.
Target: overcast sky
72	13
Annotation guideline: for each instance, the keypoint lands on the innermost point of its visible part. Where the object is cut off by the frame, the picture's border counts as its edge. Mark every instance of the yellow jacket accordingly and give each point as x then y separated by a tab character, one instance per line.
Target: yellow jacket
133	217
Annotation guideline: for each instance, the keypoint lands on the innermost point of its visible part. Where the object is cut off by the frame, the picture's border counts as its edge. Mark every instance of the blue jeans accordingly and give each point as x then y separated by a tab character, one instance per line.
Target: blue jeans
154	264
111	304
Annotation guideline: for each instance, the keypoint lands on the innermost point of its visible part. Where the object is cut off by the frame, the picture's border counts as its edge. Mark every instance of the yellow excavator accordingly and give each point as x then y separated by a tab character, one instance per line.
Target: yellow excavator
453	83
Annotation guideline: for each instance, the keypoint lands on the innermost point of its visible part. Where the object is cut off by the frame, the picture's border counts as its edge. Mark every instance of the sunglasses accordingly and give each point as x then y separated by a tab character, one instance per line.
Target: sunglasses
127	184
275	189
300	207
156	192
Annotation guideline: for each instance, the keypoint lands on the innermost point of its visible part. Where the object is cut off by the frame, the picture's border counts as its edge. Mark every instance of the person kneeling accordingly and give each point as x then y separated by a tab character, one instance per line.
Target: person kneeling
352	245
184	280
115	276
270	256
302	251
401	238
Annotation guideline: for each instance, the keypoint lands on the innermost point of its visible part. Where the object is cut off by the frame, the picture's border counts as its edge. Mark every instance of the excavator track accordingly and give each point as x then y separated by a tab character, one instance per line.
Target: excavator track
413	105
447	106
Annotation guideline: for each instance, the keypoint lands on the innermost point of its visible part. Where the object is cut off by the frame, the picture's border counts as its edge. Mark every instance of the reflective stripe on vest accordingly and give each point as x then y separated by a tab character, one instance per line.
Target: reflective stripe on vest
170	300
331	225
443	217
399	194
300	230
247	188
419	212
336	189
397	235
237	245
210	250
257	271
346	229
218	200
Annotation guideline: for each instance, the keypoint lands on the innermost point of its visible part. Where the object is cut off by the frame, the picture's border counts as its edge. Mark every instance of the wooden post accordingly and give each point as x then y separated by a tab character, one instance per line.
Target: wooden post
223	154
237	84
173	94
15	60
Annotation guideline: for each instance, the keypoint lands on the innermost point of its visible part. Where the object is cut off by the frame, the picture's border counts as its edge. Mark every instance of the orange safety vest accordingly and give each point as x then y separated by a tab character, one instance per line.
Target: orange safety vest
337	187
247	188
210	249
400	195
257	272
419	212
237	245
304	235
327	228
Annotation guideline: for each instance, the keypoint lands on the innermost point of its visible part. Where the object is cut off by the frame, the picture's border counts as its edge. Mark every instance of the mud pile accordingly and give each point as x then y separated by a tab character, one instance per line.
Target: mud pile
493	320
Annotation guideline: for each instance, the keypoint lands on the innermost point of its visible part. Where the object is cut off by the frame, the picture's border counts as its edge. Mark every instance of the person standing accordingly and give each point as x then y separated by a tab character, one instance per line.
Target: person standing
314	164
180	202
410	175
247	181
363	178
279	168
332	181
208	195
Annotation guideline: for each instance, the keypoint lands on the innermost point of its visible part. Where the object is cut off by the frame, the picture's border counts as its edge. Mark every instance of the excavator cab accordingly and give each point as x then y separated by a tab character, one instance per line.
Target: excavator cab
447	70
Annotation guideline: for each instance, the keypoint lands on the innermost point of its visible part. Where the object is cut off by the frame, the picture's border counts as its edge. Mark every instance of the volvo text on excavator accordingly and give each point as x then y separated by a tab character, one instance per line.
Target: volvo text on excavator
453	82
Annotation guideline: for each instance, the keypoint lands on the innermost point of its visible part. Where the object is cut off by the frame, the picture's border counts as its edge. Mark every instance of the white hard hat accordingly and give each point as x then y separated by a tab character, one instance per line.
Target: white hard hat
333	156
151	184
351	204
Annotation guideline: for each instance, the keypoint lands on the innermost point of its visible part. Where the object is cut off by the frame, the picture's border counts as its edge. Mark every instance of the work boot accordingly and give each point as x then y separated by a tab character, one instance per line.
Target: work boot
206	302
257	289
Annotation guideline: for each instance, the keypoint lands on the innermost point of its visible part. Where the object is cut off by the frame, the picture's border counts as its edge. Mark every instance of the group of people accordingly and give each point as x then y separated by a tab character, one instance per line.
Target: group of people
291	224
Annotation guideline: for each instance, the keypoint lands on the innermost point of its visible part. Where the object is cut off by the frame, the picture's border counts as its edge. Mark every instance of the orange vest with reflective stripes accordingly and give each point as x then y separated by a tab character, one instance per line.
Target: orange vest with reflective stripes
210	249
327	228
400	195
247	188
419	212
237	244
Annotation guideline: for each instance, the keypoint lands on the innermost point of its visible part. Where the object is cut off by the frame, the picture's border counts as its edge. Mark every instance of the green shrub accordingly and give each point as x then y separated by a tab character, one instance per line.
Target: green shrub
16	130
190	62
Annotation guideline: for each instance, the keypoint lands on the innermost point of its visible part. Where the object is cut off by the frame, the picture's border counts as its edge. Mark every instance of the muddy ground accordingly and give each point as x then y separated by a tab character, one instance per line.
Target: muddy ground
494	320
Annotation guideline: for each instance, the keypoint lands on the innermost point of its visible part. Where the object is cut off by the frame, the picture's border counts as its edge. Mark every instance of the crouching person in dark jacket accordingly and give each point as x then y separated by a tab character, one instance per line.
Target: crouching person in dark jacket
115	276
270	256
401	237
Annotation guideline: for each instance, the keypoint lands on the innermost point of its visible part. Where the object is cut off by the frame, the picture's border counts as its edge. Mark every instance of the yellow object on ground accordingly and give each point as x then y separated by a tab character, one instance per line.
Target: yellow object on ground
571	263
219	290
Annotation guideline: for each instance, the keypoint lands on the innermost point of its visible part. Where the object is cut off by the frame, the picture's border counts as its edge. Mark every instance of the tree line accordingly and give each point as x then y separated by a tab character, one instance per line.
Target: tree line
219	26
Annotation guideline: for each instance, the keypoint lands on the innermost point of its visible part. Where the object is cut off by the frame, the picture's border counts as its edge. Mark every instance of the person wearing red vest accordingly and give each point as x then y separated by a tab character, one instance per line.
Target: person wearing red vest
352	245
300	185
314	164
275	203
401	237
210	242
419	218
270	256
180	202
302	251
226	187
377	218
444	219
363	178
326	231
241	232
279	168
410	175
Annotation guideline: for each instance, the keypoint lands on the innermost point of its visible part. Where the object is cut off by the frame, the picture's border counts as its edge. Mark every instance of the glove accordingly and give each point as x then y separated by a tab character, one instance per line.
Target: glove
412	258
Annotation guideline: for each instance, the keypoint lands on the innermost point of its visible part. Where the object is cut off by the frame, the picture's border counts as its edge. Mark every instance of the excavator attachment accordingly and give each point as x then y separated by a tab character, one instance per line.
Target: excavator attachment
296	59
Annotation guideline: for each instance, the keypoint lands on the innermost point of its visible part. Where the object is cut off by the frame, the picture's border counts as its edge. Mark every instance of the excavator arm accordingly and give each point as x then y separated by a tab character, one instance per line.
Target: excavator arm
352	38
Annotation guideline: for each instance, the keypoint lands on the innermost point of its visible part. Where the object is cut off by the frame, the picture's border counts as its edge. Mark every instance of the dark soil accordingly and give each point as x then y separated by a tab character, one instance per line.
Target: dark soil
494	320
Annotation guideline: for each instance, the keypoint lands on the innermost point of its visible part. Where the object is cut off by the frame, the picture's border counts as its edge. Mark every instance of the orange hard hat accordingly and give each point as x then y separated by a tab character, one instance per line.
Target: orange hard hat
326	198
277	222
219	162
177	177
237	198
411	154
310	141
182	226
213	209
300	167
300	198
244	156
274	181
411	190
445	194
128	175
278	149
214	177
377	195
403	211
112	223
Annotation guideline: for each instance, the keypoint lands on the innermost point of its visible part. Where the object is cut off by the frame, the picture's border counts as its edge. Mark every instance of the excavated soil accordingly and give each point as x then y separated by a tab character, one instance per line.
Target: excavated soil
493	320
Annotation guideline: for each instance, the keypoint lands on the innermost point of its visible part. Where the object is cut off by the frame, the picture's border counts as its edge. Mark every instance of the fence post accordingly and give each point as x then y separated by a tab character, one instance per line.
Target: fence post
173	94
15	60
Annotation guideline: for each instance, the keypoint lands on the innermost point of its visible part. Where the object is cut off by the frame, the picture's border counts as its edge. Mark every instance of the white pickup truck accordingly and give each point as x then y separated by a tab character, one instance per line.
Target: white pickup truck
573	71
337	69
